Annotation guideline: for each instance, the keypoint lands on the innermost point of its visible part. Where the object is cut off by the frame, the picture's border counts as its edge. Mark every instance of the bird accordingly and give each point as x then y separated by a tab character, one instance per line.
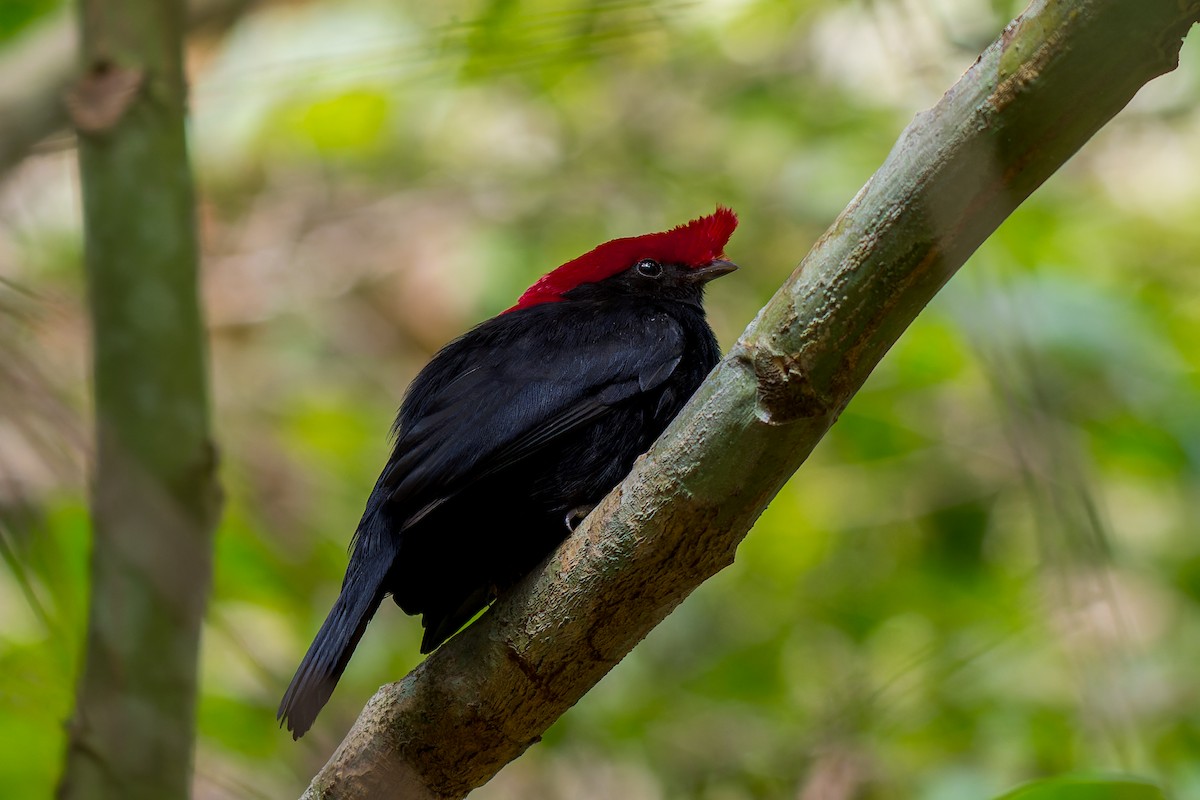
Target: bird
515	430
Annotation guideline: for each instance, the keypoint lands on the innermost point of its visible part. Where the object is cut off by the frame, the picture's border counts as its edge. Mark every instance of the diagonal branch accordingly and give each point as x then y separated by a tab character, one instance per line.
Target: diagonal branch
1054	77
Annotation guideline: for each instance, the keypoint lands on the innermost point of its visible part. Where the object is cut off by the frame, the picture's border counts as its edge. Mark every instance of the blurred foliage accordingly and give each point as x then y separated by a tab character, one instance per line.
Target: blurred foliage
17	15
989	571
1071	788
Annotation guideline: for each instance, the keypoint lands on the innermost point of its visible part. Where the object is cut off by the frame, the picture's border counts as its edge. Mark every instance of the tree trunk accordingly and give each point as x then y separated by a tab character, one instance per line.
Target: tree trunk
1053	78
154	493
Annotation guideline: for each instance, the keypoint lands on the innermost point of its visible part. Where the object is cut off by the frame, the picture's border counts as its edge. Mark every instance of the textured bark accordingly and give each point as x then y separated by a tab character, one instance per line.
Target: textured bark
154	494
1053	78
36	71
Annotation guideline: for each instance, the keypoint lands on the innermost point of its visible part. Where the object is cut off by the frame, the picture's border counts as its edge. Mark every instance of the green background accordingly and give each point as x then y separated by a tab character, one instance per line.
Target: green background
989	572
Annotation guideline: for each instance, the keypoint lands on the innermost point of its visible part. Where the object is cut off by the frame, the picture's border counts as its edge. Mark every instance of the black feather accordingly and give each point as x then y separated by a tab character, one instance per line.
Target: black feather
326	659
509	429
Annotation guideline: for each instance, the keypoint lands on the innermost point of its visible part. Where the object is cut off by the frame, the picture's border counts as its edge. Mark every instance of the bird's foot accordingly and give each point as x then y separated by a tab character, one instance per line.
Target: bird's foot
576	515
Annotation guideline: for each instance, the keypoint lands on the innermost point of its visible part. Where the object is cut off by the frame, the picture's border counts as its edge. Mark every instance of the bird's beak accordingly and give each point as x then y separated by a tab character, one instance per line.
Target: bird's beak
714	270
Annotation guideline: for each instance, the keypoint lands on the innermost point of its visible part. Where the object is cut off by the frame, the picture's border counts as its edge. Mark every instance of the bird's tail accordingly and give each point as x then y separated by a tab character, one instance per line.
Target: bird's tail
327	656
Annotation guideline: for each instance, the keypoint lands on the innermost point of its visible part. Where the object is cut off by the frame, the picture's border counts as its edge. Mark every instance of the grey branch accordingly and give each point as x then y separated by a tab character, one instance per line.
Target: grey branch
1053	78
36	70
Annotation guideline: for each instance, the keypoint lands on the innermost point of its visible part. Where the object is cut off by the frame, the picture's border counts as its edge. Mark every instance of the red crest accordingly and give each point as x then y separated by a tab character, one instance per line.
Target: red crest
693	244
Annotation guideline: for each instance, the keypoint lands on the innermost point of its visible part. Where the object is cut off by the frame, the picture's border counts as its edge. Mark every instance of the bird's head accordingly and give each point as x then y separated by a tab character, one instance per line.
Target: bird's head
675	262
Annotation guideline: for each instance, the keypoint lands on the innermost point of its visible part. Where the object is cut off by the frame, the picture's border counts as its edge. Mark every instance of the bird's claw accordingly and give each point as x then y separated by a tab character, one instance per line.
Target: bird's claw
576	516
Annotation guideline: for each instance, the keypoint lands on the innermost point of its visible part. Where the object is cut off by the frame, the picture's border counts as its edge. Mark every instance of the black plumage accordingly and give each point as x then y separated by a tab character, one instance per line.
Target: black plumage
504	440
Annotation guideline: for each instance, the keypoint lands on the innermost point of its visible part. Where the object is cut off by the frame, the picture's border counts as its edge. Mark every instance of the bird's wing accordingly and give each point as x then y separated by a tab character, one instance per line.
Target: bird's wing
517	397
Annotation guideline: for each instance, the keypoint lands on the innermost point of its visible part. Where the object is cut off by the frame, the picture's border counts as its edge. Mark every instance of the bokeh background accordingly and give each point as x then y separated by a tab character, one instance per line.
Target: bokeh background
988	572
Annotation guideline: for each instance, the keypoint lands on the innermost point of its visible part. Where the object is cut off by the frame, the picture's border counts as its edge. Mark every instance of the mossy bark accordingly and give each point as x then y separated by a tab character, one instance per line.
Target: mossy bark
154	491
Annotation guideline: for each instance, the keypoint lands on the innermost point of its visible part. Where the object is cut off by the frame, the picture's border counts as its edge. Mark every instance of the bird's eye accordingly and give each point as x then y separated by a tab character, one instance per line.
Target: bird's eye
648	268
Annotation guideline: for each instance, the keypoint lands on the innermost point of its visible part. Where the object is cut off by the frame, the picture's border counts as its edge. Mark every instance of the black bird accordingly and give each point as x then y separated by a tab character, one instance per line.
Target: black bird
515	430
